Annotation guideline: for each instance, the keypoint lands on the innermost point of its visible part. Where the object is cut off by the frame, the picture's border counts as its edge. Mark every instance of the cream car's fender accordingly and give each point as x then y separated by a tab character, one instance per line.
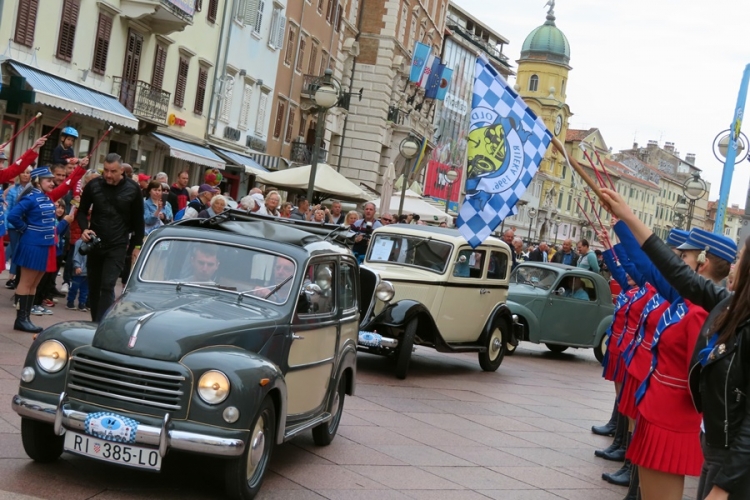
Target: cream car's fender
500	313
393	319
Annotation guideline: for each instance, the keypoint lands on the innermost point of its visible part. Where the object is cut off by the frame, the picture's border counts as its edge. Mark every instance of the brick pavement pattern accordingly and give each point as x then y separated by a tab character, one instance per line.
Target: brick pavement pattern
449	431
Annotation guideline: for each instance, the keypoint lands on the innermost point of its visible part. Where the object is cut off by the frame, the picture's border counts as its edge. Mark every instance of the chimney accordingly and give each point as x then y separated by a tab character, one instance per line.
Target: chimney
690	158
653	144
669	146
635	145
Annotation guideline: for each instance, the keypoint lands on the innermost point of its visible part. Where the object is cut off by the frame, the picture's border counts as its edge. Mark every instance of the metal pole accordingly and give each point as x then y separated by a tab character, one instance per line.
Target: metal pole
404	181
319	131
531	221
734	132
450	193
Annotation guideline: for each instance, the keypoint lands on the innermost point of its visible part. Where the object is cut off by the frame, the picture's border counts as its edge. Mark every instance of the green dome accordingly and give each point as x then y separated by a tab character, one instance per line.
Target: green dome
547	42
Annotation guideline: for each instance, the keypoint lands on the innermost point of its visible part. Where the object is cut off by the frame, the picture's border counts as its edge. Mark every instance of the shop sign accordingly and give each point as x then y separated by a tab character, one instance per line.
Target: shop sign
175	120
232	134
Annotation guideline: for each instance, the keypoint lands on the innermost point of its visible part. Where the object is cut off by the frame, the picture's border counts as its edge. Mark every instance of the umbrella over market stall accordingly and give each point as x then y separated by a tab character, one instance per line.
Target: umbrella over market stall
327	181
387	190
414	204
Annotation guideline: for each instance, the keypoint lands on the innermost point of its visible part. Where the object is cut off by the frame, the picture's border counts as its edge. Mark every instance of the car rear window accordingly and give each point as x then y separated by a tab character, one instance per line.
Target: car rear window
425	253
225	267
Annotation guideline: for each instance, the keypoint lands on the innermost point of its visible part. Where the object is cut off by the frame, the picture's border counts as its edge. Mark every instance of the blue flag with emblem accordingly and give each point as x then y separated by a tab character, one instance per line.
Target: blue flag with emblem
418	61
433	83
506	143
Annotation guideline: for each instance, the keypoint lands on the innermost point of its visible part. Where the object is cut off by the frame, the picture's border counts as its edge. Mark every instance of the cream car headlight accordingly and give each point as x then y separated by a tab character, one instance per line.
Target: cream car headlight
213	387
51	356
384	291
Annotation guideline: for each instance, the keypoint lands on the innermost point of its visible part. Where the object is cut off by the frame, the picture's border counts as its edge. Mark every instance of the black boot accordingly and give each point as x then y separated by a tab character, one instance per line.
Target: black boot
634	492
607	429
23	323
617	443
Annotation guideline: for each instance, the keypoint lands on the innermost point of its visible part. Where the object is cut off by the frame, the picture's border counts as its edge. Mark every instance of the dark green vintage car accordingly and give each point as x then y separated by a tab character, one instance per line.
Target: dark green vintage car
233	334
561	306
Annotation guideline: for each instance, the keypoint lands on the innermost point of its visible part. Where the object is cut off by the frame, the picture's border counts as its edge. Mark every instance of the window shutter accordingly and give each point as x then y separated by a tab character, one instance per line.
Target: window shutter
280	108
281	31
301	52
247	95
200	93
26	22
329	11
339	15
272	33
160	61
133	56
182	74
226	102
101	48
290	42
259	18
213	7
290	125
313	57
320	6
251	12
260	120
68	29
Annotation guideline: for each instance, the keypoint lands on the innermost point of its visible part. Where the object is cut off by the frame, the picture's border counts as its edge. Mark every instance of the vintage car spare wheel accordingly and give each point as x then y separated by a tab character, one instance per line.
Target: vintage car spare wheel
244	475
406	344
324	433
496	347
40	442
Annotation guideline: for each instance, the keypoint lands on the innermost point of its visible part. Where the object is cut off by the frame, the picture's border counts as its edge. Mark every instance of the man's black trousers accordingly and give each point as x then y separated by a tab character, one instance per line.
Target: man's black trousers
104	267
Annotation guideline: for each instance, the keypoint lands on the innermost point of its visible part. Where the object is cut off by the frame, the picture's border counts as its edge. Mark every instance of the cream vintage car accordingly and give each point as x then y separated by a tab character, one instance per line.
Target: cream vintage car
447	295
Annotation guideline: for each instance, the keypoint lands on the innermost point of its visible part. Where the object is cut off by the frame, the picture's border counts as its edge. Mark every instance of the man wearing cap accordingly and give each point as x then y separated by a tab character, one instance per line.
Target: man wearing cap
143	180
201	203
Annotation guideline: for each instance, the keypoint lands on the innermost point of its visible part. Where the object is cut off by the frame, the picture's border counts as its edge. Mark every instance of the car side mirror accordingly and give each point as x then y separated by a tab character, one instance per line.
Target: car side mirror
461	259
311	289
560	291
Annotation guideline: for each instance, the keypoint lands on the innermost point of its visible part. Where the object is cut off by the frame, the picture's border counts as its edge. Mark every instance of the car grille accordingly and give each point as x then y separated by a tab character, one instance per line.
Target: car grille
156	388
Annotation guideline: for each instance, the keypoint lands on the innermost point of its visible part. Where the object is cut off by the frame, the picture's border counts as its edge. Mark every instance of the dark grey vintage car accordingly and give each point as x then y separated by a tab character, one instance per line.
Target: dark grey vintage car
233	334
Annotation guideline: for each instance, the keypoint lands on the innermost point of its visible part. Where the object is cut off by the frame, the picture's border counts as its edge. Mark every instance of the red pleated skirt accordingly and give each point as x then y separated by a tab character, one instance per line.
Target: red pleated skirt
664	450
627	404
613	360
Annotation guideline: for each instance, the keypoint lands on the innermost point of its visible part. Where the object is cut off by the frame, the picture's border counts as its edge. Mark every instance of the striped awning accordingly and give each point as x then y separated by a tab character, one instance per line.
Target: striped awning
268	161
193	153
251	166
63	94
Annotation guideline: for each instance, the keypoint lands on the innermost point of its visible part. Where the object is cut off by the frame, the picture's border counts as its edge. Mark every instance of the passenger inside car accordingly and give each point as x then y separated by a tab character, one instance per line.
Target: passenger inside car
574	288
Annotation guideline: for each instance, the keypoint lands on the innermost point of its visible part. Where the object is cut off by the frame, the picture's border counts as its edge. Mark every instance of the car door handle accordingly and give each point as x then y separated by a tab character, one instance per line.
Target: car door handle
482	291
297	337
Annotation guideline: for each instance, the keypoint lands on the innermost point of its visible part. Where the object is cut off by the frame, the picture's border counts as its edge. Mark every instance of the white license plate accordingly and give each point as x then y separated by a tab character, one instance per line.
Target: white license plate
118	453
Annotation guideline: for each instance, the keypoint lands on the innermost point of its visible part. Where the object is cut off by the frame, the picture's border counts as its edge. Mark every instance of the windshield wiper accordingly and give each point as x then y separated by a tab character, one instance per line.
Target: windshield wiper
251	293
208	284
278	287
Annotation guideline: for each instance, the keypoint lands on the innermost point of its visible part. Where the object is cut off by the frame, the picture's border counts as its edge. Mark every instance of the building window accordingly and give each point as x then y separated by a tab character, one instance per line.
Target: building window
213	7
259	17
280	111
302	126
533	83
101	46
562	88
133	52
260	120
247	94
321	3
26	22
301	52
331	11
276	33
290	43
323	63
226	102
68	24
570	200
560	199
200	92
160	62
402	24
339	15
290	124
182	75
412	30
313	56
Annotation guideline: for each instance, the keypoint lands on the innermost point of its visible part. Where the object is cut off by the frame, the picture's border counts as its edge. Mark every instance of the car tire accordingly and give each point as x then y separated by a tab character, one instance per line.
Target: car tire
324	433
40	442
510	349
243	476
406	345
556	348
497	346
601	349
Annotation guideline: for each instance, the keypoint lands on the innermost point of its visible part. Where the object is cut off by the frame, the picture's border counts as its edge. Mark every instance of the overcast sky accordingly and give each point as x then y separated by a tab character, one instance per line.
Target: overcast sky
665	70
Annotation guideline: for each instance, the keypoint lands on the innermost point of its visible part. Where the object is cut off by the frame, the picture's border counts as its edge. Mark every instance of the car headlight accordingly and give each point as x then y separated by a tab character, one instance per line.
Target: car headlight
213	387
384	291
51	356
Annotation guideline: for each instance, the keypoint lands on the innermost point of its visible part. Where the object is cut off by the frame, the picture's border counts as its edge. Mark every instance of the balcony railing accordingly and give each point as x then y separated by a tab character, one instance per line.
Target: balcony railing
142	99
309	86
302	153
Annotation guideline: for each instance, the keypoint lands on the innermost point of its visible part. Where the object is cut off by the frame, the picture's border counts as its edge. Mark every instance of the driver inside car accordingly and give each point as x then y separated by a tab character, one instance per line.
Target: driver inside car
203	264
576	289
283	271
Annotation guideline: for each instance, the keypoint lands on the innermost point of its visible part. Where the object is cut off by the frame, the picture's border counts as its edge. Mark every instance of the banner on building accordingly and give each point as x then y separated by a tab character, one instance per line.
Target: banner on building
433	83
431	67
445	81
506	143
419	61
439	188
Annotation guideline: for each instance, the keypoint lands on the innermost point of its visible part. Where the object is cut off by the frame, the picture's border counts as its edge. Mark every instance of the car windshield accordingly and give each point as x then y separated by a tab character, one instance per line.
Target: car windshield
209	264
538	277
410	251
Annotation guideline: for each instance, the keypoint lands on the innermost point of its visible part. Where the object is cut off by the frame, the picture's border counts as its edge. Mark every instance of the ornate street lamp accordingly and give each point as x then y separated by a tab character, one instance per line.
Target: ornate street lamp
694	189
409	148
450	176
532	214
327	95
557	221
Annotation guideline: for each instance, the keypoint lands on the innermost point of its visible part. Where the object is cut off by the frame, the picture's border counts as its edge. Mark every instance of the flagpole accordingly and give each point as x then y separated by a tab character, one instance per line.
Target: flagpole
574	164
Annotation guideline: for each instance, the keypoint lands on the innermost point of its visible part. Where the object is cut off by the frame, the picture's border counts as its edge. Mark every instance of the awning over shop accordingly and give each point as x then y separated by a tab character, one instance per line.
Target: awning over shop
192	152
327	181
63	94
251	166
268	161
413	204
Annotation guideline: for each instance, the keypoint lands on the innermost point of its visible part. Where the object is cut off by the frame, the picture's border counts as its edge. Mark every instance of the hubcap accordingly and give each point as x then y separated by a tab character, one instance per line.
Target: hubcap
496	344
257	447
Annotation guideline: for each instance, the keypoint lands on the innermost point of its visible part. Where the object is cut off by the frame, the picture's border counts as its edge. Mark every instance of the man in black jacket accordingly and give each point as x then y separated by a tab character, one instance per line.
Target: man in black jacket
567	255
117	219
540	253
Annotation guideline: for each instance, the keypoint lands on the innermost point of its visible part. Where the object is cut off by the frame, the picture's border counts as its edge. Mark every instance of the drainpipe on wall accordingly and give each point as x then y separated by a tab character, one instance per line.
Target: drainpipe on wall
351	83
224	71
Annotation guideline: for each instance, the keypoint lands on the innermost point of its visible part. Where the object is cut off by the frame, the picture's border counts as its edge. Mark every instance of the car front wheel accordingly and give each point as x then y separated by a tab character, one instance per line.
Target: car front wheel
324	433
496	348
244	475
40	442
406	345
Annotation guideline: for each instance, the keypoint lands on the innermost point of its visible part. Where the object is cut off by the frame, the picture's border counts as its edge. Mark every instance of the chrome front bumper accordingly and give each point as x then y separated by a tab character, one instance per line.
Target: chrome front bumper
162	437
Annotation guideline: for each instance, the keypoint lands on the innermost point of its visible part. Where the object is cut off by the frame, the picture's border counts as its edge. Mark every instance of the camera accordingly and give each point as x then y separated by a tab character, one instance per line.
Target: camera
88	246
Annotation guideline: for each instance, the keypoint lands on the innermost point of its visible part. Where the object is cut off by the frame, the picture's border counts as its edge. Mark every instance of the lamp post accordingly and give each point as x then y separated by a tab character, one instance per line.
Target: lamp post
557	221
409	148
532	214
327	95
450	176
694	189
681	210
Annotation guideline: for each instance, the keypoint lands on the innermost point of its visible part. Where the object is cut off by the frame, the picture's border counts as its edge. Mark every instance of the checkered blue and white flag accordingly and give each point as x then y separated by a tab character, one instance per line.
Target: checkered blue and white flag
506	144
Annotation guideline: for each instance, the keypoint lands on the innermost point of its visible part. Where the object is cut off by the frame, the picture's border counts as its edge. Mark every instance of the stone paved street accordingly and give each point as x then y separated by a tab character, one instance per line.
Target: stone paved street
449	431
